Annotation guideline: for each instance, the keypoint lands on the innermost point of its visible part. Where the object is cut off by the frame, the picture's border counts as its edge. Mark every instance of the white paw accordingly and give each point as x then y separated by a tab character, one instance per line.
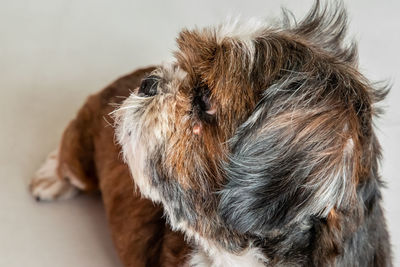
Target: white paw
47	185
52	189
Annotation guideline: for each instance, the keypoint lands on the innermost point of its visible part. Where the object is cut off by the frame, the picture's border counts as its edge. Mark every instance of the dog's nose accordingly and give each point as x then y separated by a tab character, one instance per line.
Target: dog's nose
148	87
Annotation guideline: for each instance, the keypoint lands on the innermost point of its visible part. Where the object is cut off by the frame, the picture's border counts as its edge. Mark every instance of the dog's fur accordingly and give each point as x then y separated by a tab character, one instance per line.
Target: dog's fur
257	142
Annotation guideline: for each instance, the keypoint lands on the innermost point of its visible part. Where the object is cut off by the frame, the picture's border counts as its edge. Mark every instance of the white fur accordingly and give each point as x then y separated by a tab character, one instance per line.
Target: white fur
242	32
47	185
215	256
135	151
141	134
210	254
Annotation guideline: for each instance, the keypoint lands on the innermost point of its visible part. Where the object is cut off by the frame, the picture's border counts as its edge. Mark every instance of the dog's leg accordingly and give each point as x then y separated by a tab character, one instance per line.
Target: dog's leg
71	167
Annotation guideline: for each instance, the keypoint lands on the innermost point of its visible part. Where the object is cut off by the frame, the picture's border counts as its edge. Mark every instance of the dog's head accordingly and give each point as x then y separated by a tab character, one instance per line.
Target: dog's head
252	127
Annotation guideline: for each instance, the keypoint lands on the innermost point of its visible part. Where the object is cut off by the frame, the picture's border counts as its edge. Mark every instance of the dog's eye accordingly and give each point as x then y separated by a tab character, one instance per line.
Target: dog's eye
202	101
205	103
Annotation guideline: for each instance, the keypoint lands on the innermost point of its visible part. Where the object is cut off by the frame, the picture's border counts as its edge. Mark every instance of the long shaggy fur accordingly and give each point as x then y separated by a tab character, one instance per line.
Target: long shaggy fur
256	142
283	163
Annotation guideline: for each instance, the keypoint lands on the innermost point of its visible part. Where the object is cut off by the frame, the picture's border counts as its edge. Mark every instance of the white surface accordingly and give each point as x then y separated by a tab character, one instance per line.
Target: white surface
53	53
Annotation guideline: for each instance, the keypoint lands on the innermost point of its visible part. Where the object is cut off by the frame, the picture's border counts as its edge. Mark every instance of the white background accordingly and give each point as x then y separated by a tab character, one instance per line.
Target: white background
53	53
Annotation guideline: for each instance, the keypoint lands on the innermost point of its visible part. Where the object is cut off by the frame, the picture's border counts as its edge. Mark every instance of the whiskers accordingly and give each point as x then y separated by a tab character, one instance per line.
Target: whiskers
133	101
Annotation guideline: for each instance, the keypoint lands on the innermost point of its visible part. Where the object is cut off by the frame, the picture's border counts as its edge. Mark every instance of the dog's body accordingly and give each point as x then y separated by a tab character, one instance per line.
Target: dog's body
258	143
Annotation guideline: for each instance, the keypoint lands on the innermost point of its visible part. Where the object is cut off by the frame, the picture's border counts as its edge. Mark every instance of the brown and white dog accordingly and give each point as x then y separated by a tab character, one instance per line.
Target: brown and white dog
256	143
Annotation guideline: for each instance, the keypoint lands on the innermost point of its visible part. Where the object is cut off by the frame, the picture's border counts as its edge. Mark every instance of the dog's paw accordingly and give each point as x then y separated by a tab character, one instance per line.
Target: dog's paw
47	185
52	188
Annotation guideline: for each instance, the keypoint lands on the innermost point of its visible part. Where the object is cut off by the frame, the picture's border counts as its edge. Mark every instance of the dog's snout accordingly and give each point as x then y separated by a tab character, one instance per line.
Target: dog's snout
148	86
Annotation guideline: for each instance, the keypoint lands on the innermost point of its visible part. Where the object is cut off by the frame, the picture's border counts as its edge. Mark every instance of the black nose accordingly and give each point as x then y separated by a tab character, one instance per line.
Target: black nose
149	86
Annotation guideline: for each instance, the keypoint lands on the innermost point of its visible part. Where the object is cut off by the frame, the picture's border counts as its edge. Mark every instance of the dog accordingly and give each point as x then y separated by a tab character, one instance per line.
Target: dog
256	143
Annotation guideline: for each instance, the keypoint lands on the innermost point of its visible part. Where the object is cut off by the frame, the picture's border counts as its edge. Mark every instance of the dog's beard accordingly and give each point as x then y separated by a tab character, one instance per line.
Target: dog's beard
138	141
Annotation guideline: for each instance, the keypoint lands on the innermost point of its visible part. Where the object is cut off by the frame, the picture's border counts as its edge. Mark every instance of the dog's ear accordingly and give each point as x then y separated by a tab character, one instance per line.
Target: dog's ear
295	157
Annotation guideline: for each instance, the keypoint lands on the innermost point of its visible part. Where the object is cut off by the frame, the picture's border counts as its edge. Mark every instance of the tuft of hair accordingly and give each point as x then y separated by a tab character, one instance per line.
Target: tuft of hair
326	26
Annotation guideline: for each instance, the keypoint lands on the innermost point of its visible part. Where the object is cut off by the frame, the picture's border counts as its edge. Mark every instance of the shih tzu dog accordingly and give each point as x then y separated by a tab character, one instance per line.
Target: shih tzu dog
255	147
